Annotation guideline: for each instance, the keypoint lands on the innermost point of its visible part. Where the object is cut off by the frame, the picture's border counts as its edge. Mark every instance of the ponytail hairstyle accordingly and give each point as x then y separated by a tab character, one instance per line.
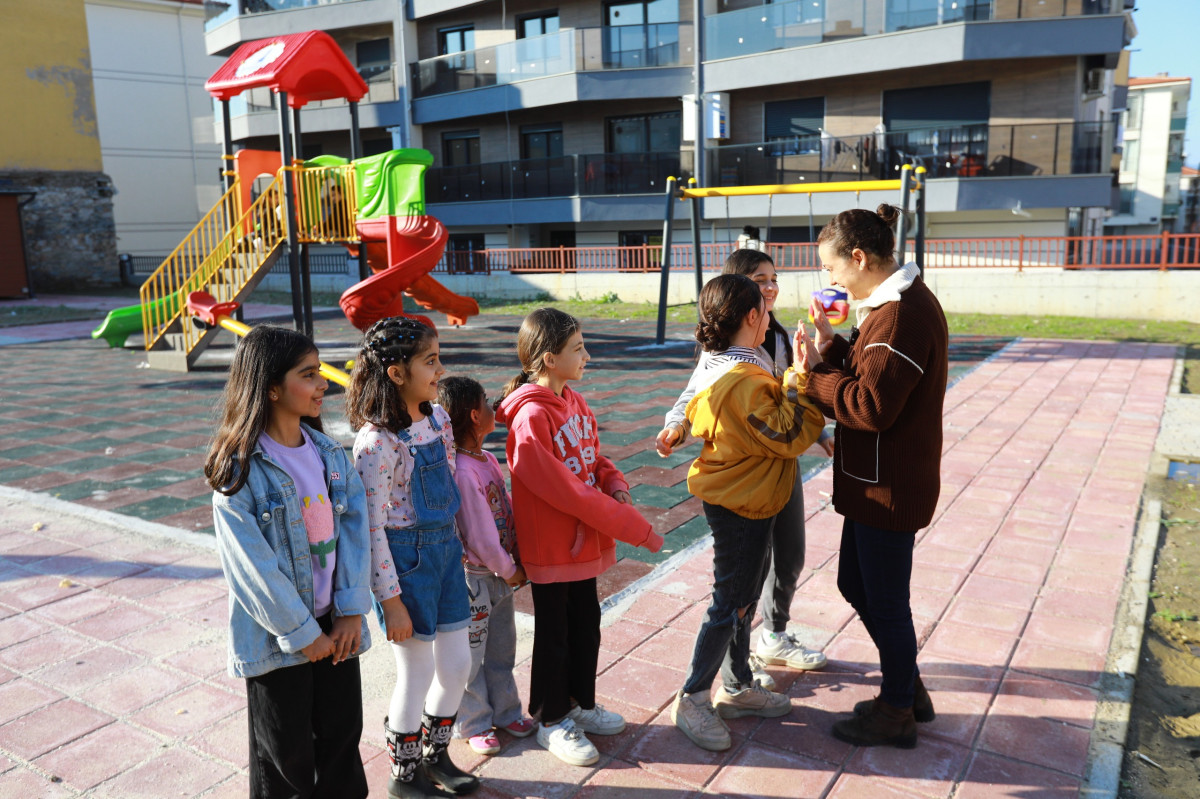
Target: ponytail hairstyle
860	229
544	331
725	302
747	262
261	362
372	396
460	396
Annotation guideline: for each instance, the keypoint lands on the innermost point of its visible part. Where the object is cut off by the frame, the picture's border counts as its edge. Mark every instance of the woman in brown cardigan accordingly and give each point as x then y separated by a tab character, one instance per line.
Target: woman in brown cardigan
884	387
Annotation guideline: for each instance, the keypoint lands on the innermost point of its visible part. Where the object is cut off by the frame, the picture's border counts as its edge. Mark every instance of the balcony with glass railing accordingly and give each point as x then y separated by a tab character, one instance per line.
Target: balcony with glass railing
968	151
563	52
564	176
779	26
218	12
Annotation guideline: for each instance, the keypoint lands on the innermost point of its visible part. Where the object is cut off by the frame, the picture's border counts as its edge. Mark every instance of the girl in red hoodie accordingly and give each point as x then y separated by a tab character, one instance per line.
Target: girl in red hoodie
570	502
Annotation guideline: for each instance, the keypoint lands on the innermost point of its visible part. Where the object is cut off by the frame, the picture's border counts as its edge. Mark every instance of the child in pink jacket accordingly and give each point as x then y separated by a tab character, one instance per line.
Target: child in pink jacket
570	502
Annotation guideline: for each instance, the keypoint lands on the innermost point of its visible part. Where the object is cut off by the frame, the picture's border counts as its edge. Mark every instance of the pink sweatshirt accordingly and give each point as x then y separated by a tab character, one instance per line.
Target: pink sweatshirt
562	488
485	518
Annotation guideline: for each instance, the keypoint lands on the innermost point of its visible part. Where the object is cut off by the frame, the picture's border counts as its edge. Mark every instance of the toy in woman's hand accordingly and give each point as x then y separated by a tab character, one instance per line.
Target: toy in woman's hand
837	309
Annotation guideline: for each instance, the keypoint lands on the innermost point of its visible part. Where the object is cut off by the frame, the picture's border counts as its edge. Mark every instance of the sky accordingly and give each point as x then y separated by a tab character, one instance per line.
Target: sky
1166	42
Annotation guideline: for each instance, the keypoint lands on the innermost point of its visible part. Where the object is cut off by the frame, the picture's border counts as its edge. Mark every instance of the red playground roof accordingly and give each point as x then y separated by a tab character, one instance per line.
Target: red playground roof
308	66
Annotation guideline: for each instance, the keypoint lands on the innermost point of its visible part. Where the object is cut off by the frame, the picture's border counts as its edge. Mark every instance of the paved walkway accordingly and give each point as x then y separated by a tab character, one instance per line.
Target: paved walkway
111	654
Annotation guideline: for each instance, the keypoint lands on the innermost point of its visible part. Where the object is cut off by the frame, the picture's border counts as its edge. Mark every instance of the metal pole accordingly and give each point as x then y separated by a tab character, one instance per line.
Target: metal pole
919	248
902	234
289	206
305	266
355	134
698	168
226	146
660	336
697	253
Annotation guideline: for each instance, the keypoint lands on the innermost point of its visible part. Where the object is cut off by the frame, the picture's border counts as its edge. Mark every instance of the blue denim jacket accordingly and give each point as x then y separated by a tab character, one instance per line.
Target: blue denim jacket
263	545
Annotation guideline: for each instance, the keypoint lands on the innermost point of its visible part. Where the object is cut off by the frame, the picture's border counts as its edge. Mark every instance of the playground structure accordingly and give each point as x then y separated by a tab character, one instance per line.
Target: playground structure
911	182
373	206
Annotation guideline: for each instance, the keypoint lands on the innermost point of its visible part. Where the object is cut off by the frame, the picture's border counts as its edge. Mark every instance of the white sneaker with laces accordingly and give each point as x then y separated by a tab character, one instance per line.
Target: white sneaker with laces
599	720
568	743
782	649
761	675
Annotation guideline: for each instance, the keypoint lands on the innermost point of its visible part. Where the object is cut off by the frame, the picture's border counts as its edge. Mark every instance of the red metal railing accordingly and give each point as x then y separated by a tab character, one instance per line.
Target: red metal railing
1165	251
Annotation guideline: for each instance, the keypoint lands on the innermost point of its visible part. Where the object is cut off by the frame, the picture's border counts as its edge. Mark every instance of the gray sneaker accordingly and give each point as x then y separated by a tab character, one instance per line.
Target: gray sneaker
783	649
752	701
761	675
694	715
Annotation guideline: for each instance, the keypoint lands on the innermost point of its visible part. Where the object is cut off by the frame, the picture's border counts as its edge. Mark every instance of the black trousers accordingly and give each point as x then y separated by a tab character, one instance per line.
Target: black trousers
566	648
305	723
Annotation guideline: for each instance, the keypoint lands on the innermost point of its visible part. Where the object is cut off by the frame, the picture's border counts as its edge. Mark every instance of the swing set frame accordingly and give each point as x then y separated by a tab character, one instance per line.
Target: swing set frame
911	183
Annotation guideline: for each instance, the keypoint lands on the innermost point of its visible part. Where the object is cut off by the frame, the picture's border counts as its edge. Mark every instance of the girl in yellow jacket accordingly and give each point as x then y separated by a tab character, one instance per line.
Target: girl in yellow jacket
753	426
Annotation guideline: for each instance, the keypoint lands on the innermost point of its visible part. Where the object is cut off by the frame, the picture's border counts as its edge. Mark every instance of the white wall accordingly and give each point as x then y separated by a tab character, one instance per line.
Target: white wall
155	119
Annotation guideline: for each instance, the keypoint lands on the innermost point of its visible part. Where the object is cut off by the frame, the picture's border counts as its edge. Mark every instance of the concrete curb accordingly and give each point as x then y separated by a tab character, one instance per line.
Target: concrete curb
61	507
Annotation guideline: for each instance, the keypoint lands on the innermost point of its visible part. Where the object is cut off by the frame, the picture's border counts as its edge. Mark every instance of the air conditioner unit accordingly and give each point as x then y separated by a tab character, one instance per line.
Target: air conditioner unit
1093	81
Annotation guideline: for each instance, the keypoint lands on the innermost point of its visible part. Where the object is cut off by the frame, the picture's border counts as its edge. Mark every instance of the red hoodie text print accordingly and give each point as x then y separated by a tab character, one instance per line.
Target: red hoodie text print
574	432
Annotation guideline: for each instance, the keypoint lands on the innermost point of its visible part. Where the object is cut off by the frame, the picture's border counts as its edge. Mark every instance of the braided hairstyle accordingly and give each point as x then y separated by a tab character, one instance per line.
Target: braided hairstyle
372	395
725	302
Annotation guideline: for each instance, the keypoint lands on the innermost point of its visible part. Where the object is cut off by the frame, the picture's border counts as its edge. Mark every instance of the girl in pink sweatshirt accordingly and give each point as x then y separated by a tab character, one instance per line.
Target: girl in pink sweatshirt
485	526
570	502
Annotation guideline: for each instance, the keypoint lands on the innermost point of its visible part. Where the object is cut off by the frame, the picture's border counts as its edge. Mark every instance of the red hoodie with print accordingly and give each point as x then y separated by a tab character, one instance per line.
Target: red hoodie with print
562	488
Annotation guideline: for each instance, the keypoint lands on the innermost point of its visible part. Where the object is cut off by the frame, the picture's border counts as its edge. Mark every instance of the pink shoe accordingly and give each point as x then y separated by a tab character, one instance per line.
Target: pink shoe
485	743
521	727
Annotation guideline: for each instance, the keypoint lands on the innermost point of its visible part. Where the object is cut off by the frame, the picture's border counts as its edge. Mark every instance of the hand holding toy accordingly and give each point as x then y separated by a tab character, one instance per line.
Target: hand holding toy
833	301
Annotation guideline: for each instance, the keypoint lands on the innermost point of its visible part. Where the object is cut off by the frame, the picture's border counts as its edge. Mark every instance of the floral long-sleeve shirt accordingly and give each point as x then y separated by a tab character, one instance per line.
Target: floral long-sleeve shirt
386	468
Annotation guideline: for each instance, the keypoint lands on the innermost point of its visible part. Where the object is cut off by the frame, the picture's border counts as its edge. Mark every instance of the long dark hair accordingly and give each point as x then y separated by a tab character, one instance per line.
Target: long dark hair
372	396
725	301
459	396
858	228
261	362
747	262
545	330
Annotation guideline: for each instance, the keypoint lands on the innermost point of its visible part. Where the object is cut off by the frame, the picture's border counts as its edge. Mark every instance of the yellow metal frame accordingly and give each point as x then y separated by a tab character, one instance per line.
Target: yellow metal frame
802	188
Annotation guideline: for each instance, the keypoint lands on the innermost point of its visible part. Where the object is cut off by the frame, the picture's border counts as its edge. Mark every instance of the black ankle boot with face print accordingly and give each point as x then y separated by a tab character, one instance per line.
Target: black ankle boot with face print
408	778
436	731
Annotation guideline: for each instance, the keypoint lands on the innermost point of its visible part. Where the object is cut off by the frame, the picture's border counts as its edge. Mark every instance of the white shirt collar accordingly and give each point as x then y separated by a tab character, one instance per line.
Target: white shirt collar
887	291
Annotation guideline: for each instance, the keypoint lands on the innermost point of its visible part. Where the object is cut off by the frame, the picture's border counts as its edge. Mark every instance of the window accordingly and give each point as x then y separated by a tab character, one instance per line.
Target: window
456	40
542	141
641	12
1127	194
794	124
1133	113
466	255
374	59
1129	155
460	148
537	25
650	133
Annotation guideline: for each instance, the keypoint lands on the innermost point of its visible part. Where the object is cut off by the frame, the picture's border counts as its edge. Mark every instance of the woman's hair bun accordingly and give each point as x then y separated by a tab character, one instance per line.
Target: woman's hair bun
888	213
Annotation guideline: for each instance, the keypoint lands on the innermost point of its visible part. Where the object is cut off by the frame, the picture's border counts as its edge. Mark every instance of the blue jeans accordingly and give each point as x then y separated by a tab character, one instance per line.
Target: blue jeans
874	571
432	584
741	548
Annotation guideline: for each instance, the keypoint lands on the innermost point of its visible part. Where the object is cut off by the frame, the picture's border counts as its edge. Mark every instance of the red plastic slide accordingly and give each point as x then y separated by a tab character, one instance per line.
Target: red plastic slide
414	245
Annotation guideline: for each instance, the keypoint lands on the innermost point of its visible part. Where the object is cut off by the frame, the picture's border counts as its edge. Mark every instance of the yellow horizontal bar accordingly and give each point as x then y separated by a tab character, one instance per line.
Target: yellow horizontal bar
328	372
794	188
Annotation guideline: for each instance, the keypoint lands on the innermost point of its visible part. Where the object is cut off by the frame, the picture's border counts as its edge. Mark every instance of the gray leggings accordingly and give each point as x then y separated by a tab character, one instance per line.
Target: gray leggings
786	561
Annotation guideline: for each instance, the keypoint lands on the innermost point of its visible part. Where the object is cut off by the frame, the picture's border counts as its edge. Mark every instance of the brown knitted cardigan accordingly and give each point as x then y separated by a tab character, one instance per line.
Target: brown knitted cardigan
885	388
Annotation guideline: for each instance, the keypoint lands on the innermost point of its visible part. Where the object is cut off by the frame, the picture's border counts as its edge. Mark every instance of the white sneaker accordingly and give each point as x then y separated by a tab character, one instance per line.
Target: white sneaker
568	743
752	701
759	670
695	716
598	721
782	649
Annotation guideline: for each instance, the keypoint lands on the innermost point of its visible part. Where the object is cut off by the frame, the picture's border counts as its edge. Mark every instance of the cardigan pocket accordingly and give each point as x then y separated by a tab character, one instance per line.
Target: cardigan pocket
858	454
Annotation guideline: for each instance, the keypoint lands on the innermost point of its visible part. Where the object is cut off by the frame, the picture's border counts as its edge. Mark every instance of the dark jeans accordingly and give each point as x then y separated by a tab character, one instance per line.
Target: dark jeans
566	648
740	553
874	571
305	722
786	562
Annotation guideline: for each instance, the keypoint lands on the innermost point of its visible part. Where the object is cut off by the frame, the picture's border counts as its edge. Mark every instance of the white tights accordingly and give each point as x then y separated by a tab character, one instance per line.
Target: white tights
431	677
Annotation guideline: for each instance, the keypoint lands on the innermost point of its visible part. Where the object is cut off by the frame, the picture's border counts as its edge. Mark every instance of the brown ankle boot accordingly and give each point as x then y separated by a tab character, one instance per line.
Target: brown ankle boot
882	725
922	704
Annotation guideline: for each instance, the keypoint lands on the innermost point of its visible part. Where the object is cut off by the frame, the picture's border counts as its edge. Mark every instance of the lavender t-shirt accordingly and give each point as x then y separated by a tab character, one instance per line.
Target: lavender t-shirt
304	465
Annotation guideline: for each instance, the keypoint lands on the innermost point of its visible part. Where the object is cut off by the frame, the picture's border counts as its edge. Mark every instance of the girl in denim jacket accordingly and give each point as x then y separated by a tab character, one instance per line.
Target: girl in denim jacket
290	517
404	452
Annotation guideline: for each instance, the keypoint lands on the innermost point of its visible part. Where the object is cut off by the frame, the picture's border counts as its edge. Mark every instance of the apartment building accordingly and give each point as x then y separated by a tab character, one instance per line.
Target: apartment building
557	123
1154	122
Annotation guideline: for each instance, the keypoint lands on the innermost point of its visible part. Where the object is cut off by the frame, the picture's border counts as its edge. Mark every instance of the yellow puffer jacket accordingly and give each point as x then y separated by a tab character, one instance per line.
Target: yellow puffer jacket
753	431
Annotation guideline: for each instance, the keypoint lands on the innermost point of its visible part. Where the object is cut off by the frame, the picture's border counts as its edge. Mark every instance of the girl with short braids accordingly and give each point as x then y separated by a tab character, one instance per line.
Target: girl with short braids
884	387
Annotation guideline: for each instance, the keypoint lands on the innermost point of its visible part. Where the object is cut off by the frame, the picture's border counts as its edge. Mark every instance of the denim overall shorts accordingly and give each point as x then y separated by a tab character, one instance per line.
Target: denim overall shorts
428	555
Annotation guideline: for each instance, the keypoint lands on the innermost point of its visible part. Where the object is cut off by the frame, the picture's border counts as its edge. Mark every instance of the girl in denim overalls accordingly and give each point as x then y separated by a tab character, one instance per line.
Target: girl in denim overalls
291	526
405	454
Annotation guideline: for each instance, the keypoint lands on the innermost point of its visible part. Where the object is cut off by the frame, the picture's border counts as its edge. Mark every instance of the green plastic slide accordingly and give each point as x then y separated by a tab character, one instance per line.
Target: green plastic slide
121	323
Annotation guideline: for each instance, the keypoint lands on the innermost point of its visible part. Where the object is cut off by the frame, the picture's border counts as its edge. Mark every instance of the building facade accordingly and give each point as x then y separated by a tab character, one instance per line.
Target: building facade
1154	122
557	124
51	156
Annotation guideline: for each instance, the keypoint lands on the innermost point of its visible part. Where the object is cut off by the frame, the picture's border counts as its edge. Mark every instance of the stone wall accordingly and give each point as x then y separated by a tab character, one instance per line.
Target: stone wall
70	235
